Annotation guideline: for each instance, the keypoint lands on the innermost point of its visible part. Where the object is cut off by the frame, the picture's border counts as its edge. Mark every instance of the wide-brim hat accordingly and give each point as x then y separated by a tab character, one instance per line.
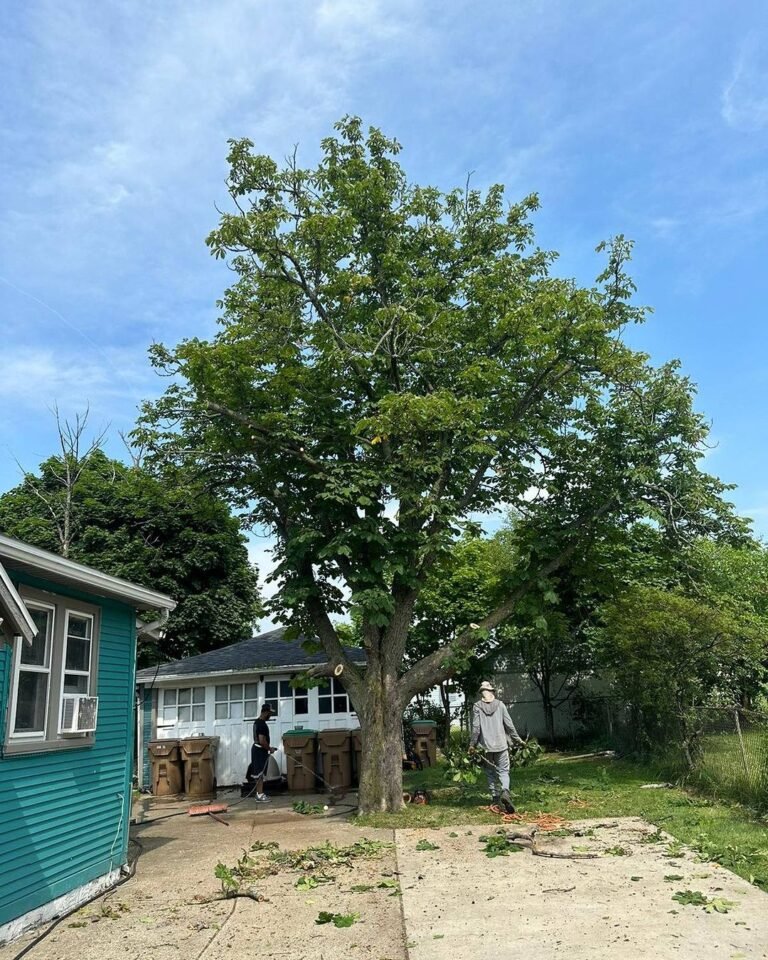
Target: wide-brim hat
487	685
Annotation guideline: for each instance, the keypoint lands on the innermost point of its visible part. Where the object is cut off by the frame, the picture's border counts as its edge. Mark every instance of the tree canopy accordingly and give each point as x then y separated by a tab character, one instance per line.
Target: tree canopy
165	532
394	360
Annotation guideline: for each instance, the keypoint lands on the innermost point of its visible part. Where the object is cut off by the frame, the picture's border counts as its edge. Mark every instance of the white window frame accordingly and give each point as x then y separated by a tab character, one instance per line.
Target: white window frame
175	705
243	700
333	682
88	674
18	668
53	739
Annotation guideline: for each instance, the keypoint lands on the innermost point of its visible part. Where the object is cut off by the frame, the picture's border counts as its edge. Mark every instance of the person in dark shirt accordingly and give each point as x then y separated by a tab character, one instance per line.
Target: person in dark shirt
260	751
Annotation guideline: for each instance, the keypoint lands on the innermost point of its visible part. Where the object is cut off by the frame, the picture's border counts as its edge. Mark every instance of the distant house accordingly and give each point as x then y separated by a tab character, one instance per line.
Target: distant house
67	668
220	693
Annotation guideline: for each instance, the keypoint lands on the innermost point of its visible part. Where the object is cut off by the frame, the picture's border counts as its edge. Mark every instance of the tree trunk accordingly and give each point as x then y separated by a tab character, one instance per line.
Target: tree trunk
549	718
381	763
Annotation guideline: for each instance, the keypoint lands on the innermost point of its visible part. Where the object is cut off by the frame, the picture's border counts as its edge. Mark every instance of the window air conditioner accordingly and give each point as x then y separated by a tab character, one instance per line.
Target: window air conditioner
78	713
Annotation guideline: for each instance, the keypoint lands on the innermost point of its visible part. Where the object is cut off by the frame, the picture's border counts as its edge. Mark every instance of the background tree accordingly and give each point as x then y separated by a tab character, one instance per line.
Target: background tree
671	652
392	361
168	533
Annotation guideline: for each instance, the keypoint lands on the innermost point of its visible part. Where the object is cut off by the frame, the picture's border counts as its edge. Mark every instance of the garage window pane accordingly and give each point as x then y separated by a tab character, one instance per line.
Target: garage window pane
339	704
222	711
222	693
198	713
185	695
251	709
325	705
301	705
198	695
286	690
184	715
235	710
236	691
251	691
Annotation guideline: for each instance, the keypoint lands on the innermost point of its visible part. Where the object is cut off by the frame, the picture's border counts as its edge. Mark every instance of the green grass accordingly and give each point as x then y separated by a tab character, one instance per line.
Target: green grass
586	789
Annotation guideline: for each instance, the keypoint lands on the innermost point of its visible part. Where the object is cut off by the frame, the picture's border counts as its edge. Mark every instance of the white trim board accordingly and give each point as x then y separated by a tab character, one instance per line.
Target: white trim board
61	570
200	679
21	619
50	911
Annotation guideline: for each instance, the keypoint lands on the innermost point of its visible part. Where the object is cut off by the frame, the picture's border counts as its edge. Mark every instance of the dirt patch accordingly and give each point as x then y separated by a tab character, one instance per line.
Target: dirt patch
616	899
160	914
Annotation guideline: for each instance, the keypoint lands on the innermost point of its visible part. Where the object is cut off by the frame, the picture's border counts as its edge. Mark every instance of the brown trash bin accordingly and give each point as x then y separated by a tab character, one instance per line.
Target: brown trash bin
425	741
356	738
167	774
301	759
336	759
199	769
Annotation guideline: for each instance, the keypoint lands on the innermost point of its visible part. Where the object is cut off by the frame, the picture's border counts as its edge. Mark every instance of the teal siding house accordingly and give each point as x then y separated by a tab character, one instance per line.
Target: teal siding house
67	723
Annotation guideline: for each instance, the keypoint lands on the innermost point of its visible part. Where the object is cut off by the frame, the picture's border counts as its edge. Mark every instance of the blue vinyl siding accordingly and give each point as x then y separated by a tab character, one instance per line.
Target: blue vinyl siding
64	814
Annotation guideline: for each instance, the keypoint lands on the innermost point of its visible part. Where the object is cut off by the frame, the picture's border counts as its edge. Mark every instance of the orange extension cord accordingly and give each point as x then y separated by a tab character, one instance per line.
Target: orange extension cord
544	821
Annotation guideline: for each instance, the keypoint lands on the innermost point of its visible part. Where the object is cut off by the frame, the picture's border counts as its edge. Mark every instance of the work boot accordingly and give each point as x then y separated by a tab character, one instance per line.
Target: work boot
506	801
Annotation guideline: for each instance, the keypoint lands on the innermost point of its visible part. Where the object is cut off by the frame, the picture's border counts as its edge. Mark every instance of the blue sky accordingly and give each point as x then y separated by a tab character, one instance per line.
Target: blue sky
648	119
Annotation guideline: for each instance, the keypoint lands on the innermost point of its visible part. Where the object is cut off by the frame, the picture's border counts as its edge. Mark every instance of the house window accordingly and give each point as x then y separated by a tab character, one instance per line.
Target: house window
300	701
185	705
237	701
33	677
277	691
274	690
59	665
332	697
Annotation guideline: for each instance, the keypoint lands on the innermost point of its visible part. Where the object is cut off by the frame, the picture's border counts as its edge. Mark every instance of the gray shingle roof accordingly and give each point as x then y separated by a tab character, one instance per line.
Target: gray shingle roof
262	651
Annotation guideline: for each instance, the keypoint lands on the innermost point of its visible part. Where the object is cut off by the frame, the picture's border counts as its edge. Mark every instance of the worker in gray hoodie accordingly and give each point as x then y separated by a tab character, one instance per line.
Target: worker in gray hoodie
492	729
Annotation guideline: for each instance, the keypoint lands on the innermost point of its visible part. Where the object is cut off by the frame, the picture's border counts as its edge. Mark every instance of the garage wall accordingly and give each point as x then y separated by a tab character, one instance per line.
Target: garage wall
235	731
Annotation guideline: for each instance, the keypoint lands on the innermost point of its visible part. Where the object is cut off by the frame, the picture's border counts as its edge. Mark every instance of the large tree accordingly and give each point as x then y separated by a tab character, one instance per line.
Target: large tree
392	361
168	532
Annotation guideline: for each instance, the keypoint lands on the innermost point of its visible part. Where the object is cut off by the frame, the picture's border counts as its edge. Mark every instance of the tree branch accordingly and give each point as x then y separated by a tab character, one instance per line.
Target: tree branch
436	666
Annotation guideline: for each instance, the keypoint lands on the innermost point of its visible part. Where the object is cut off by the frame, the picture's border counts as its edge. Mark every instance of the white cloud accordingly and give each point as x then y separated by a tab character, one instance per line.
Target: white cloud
744	100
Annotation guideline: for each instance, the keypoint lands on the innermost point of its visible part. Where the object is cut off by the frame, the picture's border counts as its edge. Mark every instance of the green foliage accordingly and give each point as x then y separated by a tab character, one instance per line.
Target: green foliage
337	919
306	808
669	652
497	845
393	360
229	882
526	753
166	532
426	845
690	898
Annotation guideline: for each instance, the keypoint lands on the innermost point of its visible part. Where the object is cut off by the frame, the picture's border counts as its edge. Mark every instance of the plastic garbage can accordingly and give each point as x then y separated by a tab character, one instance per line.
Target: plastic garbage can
301	759
335	758
198	754
425	741
167	773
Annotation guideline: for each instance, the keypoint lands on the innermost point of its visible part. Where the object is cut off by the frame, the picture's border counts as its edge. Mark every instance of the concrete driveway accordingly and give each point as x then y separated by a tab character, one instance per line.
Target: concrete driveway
456	902
459	904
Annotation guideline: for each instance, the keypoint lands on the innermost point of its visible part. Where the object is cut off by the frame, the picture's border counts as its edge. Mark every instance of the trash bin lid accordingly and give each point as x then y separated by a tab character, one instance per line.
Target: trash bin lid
303	732
162	746
423	723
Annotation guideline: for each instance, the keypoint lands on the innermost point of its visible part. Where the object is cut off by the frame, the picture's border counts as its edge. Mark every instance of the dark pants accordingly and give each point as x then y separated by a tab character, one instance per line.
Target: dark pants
259	761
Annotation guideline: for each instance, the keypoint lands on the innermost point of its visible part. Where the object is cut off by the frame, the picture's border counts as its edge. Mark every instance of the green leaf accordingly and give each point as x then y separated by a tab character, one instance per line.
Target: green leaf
692	898
426	845
345	919
720	905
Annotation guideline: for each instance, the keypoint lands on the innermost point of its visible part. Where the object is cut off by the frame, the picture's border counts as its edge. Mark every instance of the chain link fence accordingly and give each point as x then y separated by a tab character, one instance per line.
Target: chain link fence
730	752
